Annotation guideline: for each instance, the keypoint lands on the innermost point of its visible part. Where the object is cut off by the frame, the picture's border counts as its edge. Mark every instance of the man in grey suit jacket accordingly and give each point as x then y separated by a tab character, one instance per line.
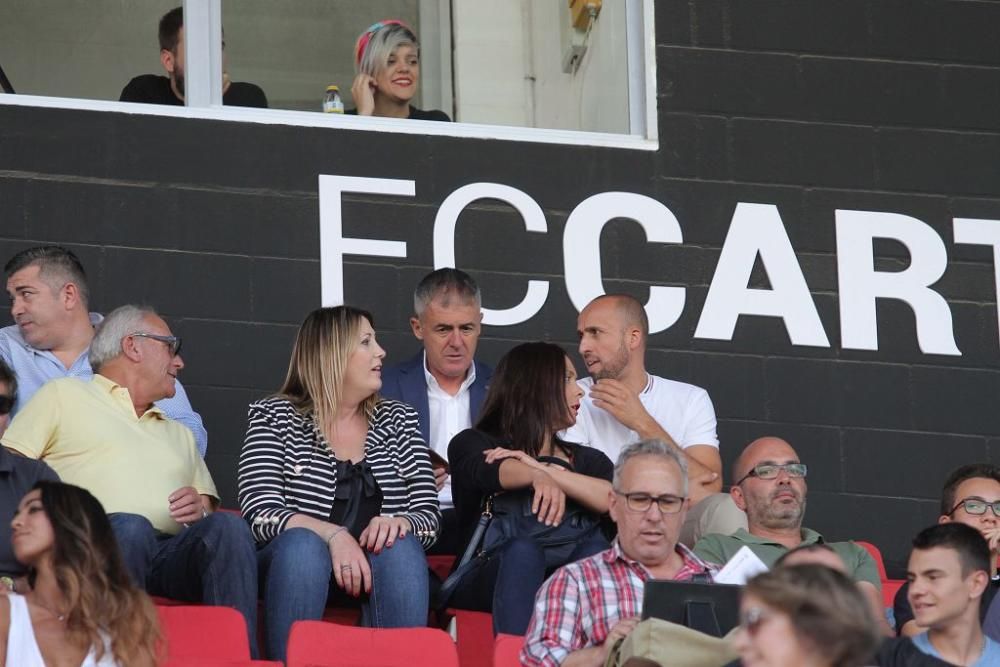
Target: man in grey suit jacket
443	382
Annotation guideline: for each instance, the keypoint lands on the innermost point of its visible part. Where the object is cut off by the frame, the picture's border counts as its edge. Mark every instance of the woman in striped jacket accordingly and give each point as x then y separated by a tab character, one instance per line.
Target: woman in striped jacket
337	485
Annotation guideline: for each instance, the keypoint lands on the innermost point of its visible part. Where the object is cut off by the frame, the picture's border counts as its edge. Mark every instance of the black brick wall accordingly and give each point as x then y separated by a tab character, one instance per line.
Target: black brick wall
809	105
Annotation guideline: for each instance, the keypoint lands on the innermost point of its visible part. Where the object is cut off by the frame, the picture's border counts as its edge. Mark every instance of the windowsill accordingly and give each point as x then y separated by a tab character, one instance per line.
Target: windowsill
318	119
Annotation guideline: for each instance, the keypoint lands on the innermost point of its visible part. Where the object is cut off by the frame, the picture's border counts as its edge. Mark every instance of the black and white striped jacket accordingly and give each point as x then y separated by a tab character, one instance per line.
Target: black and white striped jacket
286	468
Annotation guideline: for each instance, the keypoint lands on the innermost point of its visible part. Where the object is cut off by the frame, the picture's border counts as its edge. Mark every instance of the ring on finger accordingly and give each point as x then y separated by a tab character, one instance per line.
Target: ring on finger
345	567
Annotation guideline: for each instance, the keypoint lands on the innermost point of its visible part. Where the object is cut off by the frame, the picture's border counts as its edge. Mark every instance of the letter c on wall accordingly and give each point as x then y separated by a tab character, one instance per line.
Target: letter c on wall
582	250
444	242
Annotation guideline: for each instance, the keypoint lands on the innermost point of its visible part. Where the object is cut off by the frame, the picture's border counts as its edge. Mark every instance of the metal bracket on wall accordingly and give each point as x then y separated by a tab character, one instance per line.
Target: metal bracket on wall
582	14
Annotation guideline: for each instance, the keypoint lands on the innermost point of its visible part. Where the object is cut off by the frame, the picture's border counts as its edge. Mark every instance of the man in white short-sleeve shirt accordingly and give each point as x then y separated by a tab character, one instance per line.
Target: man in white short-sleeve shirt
624	403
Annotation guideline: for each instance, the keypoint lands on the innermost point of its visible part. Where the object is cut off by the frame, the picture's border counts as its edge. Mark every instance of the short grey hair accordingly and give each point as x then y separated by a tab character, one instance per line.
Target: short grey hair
383	42
447	280
651	447
118	324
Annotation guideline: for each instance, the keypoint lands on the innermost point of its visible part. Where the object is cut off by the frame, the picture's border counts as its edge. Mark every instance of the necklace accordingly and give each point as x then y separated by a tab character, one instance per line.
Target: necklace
59	617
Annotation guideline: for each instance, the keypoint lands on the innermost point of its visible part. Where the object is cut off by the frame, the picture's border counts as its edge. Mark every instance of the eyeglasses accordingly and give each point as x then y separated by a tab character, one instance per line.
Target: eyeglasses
977	506
751	619
641	502
173	342
6	405
772	470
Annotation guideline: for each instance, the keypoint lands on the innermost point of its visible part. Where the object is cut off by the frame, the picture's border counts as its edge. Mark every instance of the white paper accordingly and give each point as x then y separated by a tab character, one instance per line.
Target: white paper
742	567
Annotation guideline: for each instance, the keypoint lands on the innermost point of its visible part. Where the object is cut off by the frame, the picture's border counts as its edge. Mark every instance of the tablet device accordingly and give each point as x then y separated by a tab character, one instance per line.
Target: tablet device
713	609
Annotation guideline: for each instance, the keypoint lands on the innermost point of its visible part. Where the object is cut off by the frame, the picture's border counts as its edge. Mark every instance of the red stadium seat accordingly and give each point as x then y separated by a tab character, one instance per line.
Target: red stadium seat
203	633
507	651
889	586
441	565
319	644
474	637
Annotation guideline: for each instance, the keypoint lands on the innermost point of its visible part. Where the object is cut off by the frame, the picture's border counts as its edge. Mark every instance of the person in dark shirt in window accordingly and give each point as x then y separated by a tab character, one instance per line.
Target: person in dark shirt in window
155	89
387	58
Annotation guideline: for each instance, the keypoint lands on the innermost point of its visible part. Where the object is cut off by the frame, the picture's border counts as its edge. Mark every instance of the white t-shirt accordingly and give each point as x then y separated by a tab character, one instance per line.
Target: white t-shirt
683	410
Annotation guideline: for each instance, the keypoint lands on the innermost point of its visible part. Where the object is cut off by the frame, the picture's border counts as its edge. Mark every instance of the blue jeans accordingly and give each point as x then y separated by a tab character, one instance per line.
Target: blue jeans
507	584
296	581
212	561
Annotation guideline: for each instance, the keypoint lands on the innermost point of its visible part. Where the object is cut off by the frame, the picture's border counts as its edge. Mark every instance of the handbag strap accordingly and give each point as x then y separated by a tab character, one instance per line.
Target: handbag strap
468	561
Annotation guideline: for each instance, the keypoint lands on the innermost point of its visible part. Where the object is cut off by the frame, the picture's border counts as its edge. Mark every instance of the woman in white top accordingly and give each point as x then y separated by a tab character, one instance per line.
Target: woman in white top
82	608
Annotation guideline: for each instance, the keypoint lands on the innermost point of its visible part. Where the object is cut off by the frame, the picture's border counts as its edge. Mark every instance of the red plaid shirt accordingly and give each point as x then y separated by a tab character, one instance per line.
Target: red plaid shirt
580	603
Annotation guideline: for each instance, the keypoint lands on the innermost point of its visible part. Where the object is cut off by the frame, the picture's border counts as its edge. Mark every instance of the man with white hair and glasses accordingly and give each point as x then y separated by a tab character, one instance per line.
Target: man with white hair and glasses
587	606
53	328
107	436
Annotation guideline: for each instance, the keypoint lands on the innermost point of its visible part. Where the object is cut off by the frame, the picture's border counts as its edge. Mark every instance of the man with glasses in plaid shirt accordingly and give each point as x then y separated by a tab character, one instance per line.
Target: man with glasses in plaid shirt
771	488
586	606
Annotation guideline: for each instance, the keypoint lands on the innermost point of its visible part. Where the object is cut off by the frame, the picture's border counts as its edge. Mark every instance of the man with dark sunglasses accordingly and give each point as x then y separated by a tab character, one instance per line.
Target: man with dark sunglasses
771	489
971	495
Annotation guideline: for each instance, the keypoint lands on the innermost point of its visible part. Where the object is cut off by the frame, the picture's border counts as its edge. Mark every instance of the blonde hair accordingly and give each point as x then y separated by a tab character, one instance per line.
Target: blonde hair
376	44
325	342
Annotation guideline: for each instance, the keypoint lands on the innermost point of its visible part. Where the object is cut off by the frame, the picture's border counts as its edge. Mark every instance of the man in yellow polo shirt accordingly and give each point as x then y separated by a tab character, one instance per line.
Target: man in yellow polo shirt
106	435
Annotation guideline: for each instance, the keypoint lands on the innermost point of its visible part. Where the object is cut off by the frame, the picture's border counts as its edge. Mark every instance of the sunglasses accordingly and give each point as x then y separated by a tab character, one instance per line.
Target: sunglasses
6	405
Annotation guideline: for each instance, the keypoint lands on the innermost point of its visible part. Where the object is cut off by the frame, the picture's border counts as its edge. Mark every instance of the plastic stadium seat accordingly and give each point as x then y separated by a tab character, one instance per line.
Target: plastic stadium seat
889	586
203	633
441	565
319	644
507	651
474	637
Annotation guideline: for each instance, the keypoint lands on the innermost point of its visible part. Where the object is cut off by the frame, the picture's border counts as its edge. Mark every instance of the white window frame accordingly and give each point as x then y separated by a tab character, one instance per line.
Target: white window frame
203	95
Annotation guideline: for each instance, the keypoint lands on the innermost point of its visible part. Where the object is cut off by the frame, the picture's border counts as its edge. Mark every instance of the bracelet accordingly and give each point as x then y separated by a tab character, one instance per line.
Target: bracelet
334	534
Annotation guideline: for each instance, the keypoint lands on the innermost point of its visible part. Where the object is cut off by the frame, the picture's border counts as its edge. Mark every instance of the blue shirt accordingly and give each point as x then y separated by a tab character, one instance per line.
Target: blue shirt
34	368
989	658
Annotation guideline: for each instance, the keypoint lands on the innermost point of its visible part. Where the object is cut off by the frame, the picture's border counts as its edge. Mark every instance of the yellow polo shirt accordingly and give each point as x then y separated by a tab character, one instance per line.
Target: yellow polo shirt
88	432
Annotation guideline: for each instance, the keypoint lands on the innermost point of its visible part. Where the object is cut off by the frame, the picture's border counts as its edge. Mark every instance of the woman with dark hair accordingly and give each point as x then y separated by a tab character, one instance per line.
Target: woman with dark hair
532	396
82	608
337	485
804	616
387	60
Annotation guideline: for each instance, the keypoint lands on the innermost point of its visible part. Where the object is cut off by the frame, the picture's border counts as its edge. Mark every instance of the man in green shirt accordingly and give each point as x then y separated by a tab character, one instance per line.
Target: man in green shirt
771	488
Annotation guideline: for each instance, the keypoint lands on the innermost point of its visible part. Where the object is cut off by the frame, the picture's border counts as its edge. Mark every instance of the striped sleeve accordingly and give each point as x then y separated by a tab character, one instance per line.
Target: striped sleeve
260	479
419	501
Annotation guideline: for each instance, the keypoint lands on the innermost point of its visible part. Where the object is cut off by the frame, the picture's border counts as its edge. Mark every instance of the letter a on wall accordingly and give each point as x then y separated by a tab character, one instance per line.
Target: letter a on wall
757	229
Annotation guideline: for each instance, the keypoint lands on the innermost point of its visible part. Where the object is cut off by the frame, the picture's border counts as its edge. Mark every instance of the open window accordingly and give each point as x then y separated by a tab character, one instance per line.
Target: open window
566	71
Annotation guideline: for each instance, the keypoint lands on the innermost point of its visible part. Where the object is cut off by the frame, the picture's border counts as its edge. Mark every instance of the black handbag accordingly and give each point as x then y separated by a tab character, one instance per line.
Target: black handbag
508	515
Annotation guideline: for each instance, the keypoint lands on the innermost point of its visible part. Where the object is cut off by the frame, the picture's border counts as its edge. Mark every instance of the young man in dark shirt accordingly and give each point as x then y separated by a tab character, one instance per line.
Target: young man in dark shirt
154	89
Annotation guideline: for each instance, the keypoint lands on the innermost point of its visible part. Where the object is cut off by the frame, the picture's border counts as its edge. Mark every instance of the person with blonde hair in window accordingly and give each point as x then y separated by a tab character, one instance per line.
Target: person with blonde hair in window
387	60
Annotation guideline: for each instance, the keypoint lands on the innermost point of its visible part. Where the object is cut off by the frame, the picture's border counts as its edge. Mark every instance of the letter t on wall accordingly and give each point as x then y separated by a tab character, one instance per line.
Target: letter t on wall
982	232
332	244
